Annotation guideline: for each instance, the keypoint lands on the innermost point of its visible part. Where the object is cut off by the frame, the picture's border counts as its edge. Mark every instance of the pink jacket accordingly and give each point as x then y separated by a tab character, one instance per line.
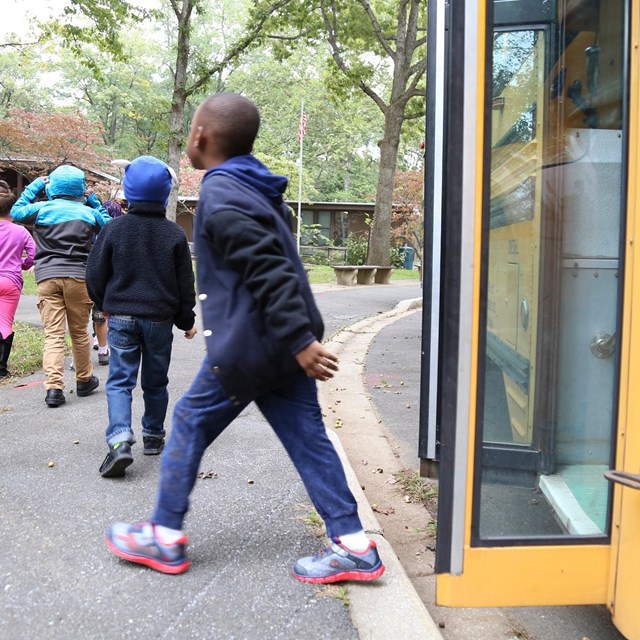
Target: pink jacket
14	242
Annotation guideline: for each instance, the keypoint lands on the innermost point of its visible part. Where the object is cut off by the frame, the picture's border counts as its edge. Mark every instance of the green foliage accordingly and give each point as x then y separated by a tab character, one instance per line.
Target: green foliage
357	248
130	98
396	257
21	80
26	354
339	152
96	23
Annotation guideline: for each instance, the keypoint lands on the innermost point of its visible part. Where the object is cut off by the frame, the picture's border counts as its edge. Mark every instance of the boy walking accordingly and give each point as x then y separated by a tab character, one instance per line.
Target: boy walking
64	226
139	274
263	333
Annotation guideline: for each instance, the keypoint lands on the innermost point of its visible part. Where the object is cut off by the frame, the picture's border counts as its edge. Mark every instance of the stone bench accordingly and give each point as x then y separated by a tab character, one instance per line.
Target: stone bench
348	275
383	275
366	274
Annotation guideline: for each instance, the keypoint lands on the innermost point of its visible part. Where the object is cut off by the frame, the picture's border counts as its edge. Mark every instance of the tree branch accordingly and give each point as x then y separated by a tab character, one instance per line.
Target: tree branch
299	35
377	29
339	60
415	116
411	91
240	47
20	44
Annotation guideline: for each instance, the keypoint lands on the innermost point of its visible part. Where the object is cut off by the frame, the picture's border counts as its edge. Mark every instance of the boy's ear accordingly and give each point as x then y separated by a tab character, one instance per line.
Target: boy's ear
199	138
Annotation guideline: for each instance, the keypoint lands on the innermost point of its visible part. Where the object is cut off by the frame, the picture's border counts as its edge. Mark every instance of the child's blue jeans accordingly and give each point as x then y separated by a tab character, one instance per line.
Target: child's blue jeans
133	341
204	412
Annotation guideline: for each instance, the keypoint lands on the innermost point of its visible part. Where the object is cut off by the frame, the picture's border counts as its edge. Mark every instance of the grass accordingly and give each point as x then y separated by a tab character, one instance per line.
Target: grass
29	284
418	489
313	520
26	354
319	274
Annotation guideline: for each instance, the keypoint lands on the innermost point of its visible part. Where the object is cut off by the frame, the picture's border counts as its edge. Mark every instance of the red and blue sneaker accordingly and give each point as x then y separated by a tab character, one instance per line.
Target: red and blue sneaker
337	563
139	543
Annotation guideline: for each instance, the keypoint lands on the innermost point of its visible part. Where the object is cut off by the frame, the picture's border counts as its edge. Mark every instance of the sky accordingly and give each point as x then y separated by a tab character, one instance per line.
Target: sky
18	14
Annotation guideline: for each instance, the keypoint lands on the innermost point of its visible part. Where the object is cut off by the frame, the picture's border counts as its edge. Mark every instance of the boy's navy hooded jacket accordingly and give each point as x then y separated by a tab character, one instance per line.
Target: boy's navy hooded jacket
257	307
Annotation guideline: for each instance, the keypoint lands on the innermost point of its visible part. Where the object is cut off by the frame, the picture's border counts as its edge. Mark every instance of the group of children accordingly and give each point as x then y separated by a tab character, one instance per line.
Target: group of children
261	326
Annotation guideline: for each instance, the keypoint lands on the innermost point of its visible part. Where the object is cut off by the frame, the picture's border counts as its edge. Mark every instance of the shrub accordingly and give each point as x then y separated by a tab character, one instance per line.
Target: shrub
396	257
357	249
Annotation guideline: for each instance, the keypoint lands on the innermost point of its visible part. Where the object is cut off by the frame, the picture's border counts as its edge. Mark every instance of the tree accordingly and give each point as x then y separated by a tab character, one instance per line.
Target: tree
204	69
369	41
193	70
21	79
407	221
340	162
130	98
35	143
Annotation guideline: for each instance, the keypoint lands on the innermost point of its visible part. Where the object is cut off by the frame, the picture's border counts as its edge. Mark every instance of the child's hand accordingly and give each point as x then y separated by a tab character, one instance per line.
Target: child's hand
192	332
317	362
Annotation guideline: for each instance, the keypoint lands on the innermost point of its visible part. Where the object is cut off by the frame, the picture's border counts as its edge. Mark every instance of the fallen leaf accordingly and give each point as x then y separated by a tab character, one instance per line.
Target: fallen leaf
385	512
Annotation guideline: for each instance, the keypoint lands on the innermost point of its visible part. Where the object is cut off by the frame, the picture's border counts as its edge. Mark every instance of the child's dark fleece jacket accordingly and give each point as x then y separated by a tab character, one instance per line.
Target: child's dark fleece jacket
140	265
257	307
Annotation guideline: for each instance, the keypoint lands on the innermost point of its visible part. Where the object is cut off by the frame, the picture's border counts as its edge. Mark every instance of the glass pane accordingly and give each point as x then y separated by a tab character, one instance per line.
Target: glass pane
548	379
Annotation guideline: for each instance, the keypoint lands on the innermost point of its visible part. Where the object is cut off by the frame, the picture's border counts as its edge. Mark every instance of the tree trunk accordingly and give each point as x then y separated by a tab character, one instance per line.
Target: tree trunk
178	99
380	236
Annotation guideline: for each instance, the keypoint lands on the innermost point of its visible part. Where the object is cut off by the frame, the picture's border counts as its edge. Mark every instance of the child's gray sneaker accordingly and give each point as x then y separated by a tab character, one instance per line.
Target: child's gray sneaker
337	563
117	460
152	446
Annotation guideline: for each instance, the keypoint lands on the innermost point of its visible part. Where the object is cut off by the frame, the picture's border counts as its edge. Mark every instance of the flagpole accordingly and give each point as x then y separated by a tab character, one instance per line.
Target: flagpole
301	138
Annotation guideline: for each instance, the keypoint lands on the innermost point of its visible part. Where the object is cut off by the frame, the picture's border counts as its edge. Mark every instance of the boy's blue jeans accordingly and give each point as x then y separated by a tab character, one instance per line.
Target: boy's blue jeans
204	412
133	340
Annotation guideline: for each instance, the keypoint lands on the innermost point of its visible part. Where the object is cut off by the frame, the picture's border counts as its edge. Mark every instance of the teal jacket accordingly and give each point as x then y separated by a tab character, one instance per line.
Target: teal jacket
64	228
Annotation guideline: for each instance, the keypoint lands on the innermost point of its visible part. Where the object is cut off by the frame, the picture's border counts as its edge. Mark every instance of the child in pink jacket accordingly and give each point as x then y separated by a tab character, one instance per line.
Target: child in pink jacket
17	250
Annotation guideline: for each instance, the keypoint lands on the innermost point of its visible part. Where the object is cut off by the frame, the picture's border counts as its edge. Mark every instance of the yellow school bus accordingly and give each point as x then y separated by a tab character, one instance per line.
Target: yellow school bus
531	345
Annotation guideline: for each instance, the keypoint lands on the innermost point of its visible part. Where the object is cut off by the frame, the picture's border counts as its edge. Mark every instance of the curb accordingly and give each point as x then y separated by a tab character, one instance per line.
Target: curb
390	607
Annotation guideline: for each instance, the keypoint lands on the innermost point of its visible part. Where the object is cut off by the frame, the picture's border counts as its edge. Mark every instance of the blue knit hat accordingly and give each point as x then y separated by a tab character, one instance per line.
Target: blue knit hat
147	179
66	181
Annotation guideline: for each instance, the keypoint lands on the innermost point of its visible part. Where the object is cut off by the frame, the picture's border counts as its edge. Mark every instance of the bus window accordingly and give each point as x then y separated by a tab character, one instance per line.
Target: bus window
551	286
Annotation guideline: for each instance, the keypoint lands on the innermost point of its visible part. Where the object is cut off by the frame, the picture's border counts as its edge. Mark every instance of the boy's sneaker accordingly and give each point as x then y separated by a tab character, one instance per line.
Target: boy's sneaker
139	543
103	358
152	446
117	460
337	563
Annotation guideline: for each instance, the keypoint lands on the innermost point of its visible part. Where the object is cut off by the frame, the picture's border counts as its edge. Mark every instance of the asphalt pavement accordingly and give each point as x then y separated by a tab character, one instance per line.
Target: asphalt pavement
247	525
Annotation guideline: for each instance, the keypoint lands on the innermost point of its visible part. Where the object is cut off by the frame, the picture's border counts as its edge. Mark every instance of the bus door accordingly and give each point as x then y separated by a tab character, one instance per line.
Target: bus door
528	364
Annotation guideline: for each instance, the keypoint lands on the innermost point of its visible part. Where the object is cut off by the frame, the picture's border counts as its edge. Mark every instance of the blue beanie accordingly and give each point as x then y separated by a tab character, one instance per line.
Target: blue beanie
147	179
66	181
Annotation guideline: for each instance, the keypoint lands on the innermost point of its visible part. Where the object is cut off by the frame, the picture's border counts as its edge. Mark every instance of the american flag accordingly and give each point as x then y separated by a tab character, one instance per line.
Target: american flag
303	126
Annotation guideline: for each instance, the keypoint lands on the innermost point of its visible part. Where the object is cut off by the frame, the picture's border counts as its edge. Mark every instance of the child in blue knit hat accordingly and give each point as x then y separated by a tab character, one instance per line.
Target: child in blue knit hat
141	306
